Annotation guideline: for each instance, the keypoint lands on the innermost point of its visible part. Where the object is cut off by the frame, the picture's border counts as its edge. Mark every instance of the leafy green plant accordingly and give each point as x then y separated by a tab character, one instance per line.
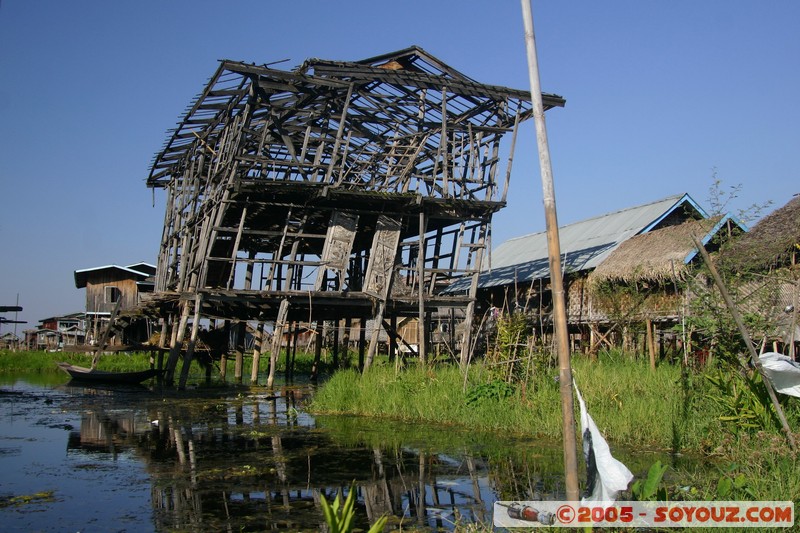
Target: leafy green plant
492	391
339	516
650	488
732	485
742	400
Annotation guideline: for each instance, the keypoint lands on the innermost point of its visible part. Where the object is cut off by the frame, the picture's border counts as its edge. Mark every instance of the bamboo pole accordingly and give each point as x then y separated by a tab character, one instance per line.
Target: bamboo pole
554	252
737	318
651	346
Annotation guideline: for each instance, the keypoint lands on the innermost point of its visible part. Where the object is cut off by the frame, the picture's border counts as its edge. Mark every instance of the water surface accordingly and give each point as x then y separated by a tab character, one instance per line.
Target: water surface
78	458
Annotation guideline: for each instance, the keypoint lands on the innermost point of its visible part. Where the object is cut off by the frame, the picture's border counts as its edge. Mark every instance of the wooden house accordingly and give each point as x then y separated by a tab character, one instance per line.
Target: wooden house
9	341
70	329
641	284
109	285
644	239
765	265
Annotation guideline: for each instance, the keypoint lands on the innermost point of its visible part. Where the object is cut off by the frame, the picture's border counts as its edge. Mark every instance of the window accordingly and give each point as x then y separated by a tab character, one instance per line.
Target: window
112	295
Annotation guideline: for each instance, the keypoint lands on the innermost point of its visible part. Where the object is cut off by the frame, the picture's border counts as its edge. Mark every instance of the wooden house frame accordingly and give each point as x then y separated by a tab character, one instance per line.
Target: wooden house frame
335	191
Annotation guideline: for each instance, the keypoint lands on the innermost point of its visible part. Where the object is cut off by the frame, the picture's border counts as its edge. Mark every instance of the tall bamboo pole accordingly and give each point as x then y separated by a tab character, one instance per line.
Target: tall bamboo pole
554	253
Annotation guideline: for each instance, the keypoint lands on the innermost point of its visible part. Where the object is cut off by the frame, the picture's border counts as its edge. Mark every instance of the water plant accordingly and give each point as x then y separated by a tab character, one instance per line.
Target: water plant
651	488
339	516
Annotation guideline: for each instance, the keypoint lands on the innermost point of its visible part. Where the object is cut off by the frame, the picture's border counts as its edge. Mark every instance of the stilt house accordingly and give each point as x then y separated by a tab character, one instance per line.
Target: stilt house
117	287
647	246
765	263
336	191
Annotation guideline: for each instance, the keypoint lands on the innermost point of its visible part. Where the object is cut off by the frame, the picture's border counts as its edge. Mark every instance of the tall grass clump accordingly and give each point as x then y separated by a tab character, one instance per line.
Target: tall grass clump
631	404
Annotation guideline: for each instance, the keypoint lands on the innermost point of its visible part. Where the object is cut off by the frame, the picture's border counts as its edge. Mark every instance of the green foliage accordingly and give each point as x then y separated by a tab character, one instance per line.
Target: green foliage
743	401
339	517
651	488
733	485
624	392
39	361
492	391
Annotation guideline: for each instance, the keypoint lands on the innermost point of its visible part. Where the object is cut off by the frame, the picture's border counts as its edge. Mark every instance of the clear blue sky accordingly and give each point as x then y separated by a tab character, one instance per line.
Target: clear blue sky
659	94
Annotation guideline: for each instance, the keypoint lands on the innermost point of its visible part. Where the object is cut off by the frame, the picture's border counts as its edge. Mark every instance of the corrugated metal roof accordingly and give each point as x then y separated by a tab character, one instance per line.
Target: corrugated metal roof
584	245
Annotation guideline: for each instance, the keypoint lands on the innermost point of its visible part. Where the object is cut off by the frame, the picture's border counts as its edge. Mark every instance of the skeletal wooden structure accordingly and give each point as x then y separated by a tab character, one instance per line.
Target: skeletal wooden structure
338	190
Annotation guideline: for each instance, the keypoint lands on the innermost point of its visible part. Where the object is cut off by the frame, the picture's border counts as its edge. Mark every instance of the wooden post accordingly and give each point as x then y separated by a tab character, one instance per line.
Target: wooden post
421	347
362	341
162	342
277	337
336	324
317	350
187	359
651	347
258	346
223	360
746	336
238	368
177	344
554	251
348	325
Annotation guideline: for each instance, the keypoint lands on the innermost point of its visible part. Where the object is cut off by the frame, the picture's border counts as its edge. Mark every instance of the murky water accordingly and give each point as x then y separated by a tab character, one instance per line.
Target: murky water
226	459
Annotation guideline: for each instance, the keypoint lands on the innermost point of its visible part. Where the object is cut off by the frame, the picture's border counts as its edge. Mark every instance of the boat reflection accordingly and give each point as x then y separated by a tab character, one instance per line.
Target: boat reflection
259	462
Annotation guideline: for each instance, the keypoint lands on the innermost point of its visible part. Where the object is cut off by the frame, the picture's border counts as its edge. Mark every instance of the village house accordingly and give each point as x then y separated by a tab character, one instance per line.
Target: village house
766	264
113	287
620	272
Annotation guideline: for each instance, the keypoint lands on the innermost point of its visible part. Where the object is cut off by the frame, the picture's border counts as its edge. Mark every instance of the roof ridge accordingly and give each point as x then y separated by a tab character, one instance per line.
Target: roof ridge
602	215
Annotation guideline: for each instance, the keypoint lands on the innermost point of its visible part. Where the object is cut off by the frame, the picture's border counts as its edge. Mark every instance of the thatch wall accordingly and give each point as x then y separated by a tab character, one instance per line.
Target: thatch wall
773	243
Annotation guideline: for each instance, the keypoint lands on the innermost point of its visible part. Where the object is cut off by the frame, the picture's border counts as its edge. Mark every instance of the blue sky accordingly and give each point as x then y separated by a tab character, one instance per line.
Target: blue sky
660	95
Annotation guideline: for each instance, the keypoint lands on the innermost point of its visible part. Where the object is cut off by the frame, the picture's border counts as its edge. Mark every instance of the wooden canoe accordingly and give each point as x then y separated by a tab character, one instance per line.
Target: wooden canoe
80	373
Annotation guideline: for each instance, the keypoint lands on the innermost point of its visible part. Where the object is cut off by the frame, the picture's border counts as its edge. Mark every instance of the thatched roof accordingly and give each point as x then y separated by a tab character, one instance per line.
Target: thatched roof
660	255
769	244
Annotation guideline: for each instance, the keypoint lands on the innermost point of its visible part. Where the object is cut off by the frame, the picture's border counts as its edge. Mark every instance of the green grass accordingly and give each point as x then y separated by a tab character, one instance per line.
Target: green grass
39	362
630	404
634	407
35	362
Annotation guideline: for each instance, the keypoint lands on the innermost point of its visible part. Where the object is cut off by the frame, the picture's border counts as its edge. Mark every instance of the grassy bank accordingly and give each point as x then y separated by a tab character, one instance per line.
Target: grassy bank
39	361
631	403
666	410
34	362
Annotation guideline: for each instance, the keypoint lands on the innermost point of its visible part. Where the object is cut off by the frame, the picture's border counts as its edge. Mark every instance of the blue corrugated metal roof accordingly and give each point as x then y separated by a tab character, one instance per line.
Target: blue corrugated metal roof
584	245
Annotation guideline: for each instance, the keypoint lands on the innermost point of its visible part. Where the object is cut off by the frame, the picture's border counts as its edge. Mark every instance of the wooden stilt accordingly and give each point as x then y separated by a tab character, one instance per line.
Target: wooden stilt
651	347
258	346
177	344
187	359
238	368
277	338
317	350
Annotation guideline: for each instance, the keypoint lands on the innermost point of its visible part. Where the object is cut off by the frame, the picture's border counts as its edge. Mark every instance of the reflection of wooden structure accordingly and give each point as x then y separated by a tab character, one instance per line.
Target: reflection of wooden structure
339	190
